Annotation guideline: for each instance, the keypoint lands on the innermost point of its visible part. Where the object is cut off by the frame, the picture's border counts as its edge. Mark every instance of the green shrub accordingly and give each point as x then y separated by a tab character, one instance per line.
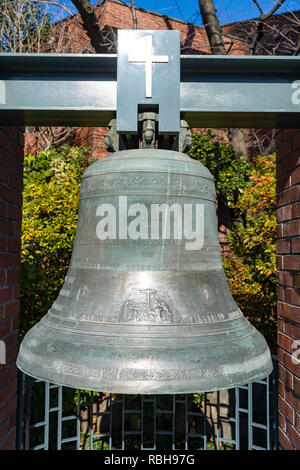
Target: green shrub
50	205
251	266
231	174
248	189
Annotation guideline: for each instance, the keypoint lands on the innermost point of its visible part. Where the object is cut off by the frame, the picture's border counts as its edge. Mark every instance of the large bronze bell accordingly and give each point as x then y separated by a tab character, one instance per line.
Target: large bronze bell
145	308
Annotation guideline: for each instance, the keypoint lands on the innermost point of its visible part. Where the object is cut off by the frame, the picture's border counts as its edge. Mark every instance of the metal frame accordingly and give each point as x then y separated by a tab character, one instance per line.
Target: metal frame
241	418
81	90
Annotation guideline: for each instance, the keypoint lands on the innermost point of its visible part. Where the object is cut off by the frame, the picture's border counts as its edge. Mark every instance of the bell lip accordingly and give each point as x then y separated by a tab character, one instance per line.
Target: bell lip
160	389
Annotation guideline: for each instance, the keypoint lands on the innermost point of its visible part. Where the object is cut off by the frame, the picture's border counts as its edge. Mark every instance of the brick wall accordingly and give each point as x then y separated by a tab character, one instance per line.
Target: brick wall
288	261
92	137
11	177
193	38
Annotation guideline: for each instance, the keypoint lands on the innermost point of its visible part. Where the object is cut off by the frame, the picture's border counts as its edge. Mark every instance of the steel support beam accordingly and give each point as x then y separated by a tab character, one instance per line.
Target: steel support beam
215	91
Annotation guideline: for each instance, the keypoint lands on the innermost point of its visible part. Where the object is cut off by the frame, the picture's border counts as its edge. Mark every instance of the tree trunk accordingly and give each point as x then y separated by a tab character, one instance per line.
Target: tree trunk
217	47
238	141
212	26
90	24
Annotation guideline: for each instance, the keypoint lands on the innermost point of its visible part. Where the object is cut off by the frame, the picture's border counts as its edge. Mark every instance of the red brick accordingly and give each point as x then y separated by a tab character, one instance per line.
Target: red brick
15	323
3	241
296	280
284	441
281	421
296	210
12	308
292	330
291	228
3	206
281	278
5	428
8	391
283	182
280	355
296	245
10	192
5	294
291	364
18	229
8	443
285	310
284	213
12	131
285	409
16	293
3	140
281	325
8	374
279	230
285	342
291	195
4	327
279	262
16	181
283	246
7	194
7	227
291	162
288	134
297	386
11	341
297	422
14	212
291	262
284	150
295	176
296	314
281	388
289	278
286	377
4	175
280	292
292	296
294	436
14	244
8	408
13	276
12	354
296	141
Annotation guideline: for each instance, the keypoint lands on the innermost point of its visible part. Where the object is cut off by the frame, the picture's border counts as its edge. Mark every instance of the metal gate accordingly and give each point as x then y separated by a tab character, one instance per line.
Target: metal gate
55	417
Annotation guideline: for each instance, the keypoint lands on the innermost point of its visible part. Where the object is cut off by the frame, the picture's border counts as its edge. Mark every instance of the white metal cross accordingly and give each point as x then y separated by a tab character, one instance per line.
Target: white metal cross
148	59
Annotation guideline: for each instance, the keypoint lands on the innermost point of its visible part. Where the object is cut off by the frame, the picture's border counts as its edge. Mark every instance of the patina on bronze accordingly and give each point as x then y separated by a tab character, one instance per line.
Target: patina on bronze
145	315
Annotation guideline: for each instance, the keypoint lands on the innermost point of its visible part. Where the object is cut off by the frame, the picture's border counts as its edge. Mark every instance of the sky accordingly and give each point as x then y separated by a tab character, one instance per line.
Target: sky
188	10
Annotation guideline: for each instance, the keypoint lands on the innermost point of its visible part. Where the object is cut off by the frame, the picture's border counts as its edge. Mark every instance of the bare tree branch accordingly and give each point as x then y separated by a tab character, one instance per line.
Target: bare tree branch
133	13
258	6
53	3
260	22
297	47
